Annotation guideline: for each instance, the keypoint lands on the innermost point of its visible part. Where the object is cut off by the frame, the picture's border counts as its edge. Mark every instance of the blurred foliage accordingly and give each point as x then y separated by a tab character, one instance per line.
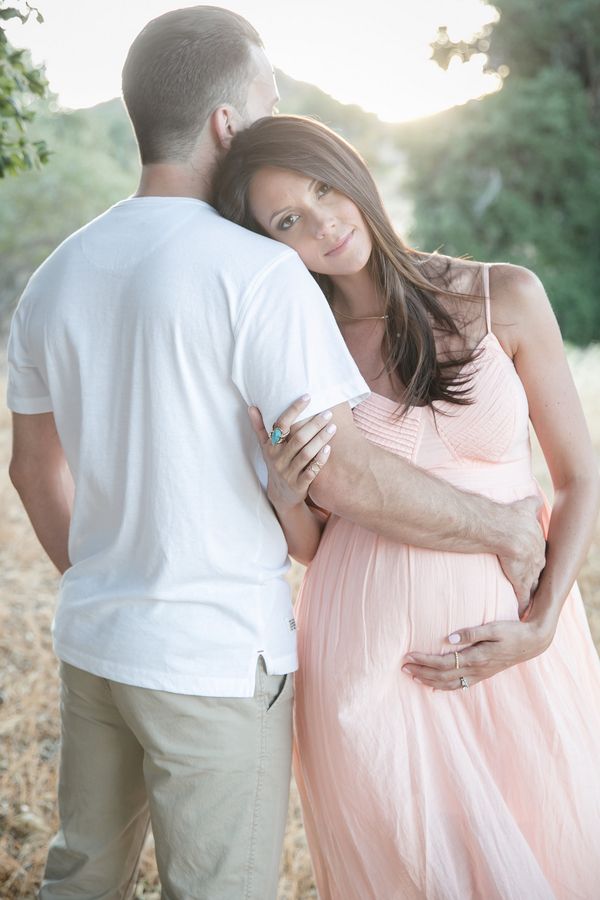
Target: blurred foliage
532	35
20	84
363	129
515	176
93	164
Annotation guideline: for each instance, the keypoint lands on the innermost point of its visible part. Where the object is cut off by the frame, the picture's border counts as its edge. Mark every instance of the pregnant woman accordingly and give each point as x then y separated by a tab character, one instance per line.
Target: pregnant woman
420	776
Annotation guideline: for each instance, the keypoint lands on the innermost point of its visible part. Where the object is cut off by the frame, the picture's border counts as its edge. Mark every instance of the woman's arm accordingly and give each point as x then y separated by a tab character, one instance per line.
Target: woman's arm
559	423
531	336
293	465
302	529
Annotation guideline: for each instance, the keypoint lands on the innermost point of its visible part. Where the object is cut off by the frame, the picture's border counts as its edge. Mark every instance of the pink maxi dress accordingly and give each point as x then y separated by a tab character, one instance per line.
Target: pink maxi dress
490	793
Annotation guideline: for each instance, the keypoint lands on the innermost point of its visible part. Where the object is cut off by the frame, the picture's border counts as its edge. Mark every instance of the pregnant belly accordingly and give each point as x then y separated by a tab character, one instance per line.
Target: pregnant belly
370	598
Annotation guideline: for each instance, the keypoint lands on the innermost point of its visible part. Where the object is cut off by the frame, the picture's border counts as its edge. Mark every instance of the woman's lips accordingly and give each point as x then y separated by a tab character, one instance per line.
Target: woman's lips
341	246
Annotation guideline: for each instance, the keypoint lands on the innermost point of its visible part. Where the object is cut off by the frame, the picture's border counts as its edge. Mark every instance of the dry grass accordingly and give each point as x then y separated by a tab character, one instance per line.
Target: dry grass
28	688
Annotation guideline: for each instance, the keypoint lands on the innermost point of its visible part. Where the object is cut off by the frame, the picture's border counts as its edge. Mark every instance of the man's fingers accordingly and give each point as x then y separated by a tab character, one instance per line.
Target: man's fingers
524	616
532	504
521	576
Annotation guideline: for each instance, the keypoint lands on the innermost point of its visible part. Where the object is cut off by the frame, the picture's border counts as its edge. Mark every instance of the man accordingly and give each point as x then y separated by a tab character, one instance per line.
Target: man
134	354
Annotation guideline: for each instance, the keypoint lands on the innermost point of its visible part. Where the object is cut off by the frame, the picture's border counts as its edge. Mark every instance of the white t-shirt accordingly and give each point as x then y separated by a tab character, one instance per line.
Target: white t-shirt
148	333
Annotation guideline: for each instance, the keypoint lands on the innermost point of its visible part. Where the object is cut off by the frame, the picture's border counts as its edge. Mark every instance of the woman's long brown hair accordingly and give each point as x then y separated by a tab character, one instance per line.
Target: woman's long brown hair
410	297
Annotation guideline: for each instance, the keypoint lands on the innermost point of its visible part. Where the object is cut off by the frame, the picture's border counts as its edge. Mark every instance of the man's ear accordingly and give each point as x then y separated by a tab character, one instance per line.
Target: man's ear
225	123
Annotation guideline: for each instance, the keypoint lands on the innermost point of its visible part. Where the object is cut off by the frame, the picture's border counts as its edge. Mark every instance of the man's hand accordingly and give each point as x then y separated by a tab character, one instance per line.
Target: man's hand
482	652
524	566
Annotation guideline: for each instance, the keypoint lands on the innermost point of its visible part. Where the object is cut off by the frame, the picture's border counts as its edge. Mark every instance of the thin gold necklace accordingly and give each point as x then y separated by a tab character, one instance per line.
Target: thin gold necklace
355	318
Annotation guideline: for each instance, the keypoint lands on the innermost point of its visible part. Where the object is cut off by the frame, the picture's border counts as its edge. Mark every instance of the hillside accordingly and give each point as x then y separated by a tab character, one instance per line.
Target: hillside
94	163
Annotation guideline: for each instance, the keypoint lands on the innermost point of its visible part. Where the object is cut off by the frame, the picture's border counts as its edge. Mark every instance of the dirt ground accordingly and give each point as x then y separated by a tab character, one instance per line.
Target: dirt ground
28	686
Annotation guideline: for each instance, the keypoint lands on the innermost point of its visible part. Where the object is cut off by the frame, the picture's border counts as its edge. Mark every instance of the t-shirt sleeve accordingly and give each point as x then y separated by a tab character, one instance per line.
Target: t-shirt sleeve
27	390
287	344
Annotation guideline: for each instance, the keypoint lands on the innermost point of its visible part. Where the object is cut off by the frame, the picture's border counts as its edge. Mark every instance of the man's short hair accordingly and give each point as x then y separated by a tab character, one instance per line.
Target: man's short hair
179	69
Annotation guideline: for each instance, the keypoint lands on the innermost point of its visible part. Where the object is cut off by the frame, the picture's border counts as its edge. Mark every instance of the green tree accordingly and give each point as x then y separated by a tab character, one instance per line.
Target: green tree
21	84
94	163
515	176
363	129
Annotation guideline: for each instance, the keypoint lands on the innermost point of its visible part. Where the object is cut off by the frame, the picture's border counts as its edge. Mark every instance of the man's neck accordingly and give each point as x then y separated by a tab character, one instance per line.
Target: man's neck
174	180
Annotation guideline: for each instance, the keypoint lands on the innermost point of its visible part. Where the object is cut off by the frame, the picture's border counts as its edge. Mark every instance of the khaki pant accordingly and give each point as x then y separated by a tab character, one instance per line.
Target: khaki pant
210	774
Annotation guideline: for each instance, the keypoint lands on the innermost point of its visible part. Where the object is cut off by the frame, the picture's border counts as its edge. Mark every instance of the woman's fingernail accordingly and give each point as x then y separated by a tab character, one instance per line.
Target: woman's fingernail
454	638
326	450
331	429
305	397
327	415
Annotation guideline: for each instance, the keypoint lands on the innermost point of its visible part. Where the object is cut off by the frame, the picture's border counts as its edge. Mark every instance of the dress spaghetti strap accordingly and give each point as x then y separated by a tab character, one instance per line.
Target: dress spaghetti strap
486	296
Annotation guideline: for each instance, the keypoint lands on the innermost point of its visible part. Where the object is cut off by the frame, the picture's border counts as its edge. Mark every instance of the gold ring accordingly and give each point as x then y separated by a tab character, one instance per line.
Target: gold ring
463	683
456	659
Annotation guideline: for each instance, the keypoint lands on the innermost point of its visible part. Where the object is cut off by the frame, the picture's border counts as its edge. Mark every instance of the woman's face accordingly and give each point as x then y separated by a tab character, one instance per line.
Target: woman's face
322	225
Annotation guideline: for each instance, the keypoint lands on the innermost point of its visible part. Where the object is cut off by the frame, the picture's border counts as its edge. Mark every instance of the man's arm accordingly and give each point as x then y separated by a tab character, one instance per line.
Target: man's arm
40	473
386	494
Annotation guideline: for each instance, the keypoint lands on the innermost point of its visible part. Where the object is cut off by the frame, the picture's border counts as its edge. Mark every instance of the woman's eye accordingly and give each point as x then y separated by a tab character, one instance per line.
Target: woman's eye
288	221
323	189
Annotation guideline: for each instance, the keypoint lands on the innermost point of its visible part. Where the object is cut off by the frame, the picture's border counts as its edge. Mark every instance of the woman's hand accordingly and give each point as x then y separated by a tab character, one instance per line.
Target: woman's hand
481	652
294	463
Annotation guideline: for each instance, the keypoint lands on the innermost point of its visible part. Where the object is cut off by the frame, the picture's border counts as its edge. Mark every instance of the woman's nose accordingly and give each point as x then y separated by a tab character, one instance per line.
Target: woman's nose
323	225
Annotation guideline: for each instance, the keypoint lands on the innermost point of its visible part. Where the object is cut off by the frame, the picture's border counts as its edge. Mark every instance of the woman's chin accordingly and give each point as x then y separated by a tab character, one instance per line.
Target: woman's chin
341	270
344	271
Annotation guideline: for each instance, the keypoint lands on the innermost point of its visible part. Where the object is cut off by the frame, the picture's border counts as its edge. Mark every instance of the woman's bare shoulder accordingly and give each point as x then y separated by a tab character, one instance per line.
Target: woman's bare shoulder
518	300
458	275
515	284
518	303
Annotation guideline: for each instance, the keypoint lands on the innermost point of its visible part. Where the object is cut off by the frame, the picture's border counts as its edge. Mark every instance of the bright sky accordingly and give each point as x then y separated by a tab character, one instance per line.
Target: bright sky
373	53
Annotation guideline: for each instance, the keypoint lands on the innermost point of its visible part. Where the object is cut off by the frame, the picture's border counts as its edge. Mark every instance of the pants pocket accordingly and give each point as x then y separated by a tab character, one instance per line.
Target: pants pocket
279	692
272	689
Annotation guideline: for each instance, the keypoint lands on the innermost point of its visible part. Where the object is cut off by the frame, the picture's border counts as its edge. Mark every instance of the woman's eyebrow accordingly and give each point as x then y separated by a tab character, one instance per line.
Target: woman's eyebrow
285	209
279	211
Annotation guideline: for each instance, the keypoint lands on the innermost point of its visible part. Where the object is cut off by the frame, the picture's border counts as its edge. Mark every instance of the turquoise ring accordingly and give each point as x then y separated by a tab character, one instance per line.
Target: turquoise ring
278	435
